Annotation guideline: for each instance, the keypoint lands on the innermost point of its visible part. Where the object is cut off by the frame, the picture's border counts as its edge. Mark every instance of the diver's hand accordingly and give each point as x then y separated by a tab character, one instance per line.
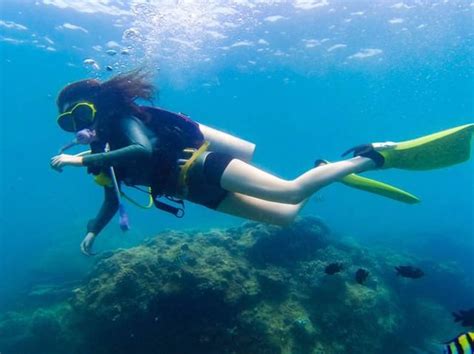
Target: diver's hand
87	243
59	161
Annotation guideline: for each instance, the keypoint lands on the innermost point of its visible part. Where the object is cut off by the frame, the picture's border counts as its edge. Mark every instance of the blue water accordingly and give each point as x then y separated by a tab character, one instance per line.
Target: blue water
301	79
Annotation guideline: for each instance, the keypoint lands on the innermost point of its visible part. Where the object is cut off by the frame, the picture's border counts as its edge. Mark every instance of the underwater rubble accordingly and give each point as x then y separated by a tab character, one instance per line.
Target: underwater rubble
249	289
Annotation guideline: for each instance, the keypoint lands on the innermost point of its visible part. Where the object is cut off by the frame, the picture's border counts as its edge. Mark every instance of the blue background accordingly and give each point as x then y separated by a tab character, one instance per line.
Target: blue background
296	103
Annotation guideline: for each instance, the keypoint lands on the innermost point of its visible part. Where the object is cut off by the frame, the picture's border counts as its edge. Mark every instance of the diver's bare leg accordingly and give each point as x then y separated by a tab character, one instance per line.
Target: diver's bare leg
259	210
240	177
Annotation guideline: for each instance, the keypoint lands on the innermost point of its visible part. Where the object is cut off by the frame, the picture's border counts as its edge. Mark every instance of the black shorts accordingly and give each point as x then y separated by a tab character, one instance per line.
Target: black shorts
204	179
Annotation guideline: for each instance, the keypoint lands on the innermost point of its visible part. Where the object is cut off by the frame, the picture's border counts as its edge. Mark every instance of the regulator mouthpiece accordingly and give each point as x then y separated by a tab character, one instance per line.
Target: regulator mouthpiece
86	136
83	137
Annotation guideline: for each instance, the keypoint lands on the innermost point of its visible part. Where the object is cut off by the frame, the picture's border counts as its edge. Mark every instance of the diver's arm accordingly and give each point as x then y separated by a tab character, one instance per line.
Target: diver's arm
106	212
94	226
116	157
137	146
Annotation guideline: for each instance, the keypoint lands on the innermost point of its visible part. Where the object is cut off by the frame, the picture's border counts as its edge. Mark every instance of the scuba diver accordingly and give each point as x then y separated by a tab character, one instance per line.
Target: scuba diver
181	159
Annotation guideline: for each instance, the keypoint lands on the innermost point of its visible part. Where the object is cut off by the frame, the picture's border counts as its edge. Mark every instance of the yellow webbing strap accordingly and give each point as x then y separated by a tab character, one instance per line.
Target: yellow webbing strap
183	175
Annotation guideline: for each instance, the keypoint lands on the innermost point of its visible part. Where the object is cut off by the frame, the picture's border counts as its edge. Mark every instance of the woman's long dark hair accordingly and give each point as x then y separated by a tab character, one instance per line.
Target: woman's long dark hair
115	96
119	94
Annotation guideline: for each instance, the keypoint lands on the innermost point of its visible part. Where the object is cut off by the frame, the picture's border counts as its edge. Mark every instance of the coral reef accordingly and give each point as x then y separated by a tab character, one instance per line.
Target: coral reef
43	331
249	289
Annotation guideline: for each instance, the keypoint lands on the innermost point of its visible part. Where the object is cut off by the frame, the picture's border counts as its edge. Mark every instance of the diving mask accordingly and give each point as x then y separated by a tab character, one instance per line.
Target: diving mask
79	117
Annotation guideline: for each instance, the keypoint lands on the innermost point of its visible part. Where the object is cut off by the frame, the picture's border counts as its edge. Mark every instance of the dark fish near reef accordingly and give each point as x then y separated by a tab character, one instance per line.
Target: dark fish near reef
361	275
409	272
333	268
462	344
466	317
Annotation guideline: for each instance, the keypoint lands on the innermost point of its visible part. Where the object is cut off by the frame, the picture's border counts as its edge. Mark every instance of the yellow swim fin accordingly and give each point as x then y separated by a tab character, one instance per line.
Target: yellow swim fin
438	150
380	188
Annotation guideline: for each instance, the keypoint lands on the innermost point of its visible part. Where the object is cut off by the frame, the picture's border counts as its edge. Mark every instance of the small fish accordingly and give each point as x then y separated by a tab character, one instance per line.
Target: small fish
409	272
361	275
466	317
333	268
462	344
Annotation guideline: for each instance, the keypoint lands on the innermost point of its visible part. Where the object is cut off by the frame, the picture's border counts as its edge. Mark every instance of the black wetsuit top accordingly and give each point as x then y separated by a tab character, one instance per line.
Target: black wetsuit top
144	151
137	160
